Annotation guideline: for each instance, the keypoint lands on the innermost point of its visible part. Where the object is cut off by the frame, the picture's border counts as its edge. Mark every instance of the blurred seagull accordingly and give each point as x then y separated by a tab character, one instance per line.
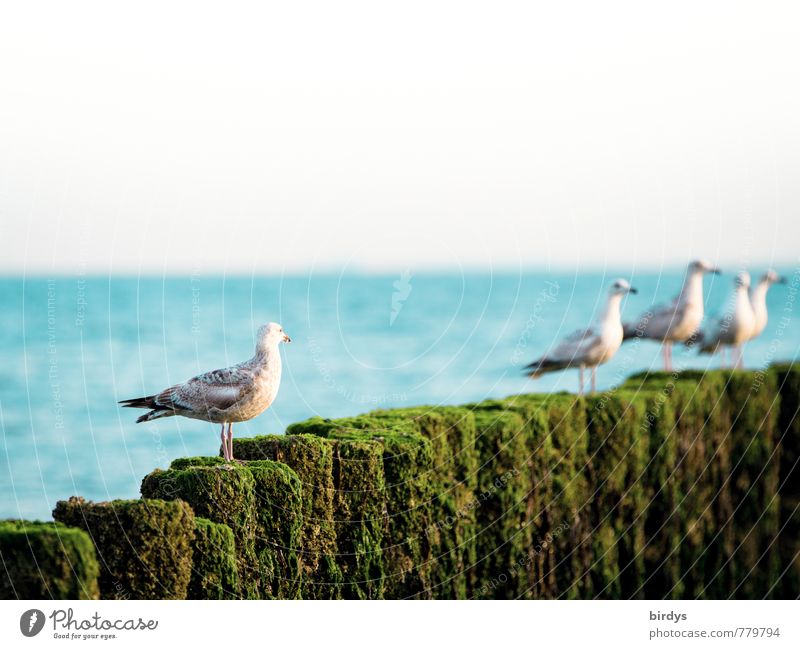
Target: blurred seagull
677	321
588	347
225	396
758	299
735	327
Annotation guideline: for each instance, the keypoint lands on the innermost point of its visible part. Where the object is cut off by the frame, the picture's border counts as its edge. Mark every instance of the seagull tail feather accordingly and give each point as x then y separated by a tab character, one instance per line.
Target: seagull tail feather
139	402
156	409
155	414
542	366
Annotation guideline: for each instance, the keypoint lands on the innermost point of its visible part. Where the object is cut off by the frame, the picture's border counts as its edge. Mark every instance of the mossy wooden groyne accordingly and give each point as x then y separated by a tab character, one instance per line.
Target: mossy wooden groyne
668	486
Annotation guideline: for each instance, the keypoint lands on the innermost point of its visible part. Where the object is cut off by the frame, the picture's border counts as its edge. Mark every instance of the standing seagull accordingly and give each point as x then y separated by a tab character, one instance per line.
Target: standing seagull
758	298
734	328
588	347
677	321
224	396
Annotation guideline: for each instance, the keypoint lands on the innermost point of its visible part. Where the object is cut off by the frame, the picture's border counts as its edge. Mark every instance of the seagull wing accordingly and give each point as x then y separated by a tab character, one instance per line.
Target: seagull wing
574	346
655	322
218	390
568	353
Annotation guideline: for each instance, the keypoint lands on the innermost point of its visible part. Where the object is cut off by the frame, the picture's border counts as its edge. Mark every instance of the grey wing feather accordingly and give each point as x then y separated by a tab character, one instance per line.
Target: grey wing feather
218	389
655	322
574	343
568	352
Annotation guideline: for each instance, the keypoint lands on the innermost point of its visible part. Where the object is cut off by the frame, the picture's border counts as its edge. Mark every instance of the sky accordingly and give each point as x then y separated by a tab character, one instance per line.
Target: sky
296	136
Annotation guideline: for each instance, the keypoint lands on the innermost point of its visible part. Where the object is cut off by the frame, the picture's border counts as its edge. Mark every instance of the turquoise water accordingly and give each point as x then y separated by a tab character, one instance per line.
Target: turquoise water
71	347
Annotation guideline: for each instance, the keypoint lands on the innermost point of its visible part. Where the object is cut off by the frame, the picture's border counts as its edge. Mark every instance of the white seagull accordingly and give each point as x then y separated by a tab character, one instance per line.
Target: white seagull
735	327
588	347
225	396
677	321
758	299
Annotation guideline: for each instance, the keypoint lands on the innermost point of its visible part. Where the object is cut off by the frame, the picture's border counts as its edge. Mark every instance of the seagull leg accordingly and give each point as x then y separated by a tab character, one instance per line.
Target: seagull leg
580	380
224	443
230	441
594	379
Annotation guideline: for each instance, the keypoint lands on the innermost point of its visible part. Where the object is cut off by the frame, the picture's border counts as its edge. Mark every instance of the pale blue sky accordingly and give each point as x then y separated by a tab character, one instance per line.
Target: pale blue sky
296	135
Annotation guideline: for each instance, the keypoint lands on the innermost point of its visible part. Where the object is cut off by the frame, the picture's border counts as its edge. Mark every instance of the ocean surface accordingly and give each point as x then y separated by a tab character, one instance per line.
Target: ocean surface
71	347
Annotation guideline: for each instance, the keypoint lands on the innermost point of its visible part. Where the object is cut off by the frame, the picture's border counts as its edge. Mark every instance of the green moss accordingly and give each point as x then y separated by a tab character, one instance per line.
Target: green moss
46	561
702	425
664	527
618	446
311	458
186	462
571	521
214	574
754	482
279	521
454	477
558	534
689	499
360	516
501	505
143	546
407	464
787	379
408	555
223	494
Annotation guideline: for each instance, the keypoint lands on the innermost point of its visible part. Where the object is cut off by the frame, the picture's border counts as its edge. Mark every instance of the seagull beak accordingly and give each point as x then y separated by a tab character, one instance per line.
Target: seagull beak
632	290
286	339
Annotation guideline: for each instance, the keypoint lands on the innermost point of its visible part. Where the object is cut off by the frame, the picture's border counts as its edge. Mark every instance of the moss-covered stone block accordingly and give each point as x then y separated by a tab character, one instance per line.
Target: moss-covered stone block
557	532
502	510
754	479
618	447
143	546
664	526
407	464
279	522
570	527
787	380
690	419
214	573
360	516
451	431
408	555
46	561
311	458
223	493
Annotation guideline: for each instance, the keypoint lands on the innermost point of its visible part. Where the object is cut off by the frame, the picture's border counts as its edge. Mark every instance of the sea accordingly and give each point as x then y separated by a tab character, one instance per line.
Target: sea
72	347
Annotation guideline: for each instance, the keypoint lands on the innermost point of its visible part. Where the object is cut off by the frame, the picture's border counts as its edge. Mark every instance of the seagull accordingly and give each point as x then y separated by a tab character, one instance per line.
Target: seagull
758	299
588	347
677	321
225	396
734	328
